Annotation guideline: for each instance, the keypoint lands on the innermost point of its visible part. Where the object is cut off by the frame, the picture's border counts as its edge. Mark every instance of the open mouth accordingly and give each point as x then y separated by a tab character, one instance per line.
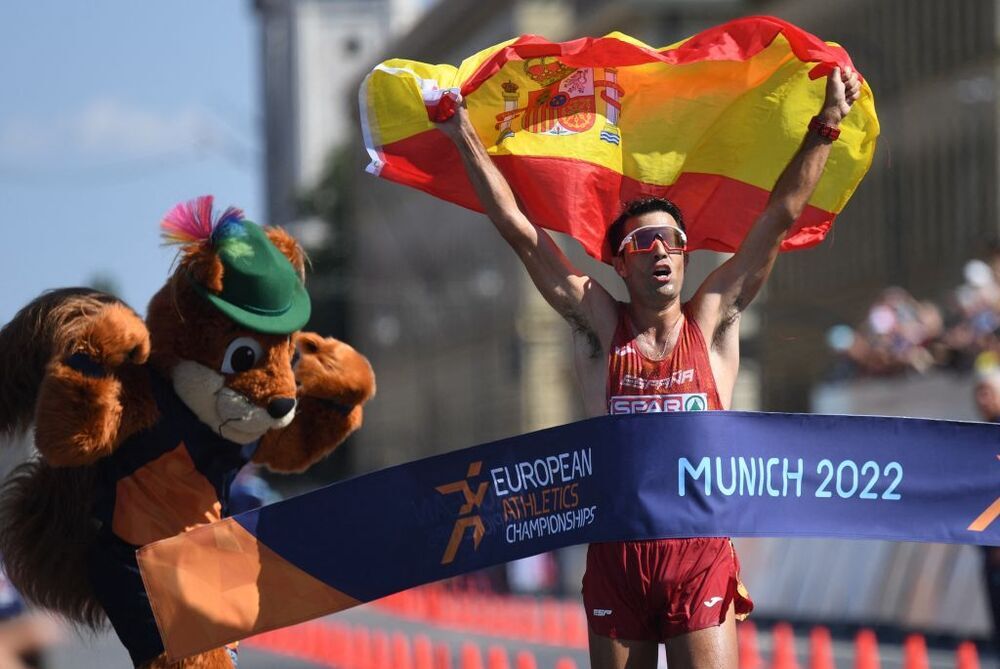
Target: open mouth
662	274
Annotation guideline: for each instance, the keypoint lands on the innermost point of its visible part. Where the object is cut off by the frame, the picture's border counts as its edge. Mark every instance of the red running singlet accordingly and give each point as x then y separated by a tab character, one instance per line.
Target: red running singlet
658	589
682	381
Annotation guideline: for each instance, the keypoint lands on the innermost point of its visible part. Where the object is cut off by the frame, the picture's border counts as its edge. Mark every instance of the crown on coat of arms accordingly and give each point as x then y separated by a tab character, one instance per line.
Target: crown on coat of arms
546	73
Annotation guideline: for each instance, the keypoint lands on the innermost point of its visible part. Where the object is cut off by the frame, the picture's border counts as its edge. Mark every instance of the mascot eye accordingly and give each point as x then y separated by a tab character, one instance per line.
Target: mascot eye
241	355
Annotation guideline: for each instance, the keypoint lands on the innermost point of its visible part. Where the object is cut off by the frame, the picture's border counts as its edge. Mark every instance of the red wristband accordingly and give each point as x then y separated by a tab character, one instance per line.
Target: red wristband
823	130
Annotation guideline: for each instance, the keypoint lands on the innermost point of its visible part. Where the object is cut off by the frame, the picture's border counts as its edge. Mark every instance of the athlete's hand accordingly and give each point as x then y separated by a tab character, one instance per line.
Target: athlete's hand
843	87
452	117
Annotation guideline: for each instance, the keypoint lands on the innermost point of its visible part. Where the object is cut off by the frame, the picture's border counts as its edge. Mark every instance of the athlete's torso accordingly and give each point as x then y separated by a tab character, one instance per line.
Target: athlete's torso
681	381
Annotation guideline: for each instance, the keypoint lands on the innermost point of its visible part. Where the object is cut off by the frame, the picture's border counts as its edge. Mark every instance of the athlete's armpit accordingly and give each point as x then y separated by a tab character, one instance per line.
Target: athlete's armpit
583	329
729	319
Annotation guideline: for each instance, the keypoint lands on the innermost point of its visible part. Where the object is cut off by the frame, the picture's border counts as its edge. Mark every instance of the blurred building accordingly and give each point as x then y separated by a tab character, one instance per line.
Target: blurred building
464	349
312	52
929	202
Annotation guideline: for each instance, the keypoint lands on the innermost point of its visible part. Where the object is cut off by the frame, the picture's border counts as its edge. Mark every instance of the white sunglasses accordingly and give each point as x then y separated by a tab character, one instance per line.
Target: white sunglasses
641	240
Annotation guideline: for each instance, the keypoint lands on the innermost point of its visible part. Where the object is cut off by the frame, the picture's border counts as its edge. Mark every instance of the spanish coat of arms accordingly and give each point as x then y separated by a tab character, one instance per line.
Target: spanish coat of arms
565	104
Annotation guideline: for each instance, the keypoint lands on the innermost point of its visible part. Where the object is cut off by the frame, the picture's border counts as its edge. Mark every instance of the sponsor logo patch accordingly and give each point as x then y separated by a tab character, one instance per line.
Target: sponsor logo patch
621	404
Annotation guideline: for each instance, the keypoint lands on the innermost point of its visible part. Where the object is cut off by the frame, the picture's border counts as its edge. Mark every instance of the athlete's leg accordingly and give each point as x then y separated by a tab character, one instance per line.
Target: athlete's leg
607	653
708	648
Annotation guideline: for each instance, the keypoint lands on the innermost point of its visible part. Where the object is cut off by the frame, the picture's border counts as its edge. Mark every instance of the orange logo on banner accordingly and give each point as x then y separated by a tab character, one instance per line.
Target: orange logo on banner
986	518
472	501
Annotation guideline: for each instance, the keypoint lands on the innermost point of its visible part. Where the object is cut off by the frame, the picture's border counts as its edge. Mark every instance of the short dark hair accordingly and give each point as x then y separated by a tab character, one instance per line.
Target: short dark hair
638	207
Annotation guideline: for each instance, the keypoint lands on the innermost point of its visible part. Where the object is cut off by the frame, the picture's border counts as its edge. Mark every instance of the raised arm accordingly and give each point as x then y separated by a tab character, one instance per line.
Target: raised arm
732	286
577	297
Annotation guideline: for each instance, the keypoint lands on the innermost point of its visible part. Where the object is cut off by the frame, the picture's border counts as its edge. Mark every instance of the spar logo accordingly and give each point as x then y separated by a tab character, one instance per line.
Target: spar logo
658	403
694	403
473	501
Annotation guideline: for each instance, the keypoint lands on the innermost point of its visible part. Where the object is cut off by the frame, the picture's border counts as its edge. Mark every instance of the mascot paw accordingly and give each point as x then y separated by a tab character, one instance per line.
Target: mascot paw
331	370
333	381
114	336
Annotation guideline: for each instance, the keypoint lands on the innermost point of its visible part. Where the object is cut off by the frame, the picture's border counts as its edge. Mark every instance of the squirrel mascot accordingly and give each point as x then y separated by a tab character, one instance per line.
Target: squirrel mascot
142	426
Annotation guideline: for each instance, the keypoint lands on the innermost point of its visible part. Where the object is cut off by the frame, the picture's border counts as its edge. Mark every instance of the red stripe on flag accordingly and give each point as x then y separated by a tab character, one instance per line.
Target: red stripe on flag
739	40
581	199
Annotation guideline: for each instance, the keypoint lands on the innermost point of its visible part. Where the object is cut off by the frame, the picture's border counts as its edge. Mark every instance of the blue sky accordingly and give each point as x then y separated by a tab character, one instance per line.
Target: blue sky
113	111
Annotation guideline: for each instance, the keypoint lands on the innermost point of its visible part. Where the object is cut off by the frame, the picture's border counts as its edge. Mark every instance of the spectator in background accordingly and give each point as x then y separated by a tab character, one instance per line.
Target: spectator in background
901	334
535	575
24	634
976	307
993	260
987	396
895	337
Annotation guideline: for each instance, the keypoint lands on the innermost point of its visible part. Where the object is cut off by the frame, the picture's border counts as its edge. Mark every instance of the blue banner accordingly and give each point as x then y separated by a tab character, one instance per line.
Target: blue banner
605	479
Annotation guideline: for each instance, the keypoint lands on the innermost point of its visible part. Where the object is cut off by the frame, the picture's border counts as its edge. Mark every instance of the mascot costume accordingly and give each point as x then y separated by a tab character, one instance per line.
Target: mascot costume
142	426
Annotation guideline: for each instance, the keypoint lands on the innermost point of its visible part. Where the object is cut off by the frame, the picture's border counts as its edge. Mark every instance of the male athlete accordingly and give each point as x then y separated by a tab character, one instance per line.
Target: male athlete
682	592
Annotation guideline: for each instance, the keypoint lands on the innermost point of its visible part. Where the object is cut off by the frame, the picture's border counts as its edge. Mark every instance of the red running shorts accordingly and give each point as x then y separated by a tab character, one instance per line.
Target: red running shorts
656	590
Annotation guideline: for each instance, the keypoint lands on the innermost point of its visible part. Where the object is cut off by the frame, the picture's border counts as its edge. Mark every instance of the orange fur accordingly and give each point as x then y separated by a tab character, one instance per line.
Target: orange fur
334	370
114	336
290	248
313	435
274	378
45	505
215	659
335	380
46	524
203	265
78	418
37	332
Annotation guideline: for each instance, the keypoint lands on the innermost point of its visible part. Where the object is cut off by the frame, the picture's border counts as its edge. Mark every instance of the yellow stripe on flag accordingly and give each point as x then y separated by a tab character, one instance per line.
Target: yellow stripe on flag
733	102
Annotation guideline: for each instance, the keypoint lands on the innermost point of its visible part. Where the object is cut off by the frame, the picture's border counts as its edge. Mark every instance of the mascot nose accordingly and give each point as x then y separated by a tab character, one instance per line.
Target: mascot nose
280	406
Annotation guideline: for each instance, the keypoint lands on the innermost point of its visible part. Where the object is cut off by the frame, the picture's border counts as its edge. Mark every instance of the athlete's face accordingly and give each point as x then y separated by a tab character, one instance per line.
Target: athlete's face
656	274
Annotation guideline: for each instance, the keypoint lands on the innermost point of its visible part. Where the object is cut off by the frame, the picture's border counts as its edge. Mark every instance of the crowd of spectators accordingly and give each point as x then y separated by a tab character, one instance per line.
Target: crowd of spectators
902	334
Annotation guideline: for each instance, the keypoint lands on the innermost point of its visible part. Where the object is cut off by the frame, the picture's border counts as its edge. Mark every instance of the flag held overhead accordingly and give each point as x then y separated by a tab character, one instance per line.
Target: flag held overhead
578	128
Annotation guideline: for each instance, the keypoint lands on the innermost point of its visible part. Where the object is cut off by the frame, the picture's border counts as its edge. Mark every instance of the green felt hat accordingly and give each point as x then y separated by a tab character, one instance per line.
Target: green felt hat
260	288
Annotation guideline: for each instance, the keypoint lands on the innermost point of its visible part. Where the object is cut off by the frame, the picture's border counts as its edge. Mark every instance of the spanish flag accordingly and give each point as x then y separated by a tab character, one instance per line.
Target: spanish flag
578	128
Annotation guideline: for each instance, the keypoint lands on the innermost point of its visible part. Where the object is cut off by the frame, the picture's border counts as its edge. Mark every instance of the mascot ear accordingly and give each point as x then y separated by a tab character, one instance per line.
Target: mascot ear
191	226
204	266
290	248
